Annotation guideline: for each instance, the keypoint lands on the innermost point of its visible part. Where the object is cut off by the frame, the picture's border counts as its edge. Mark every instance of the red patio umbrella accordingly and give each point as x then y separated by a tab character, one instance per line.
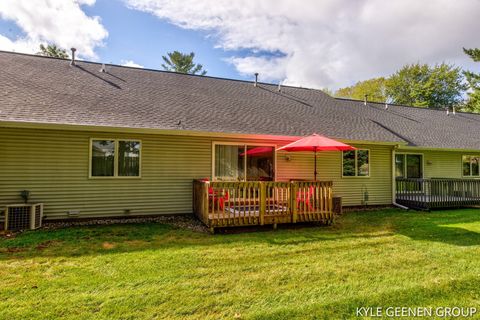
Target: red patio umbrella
316	143
258	151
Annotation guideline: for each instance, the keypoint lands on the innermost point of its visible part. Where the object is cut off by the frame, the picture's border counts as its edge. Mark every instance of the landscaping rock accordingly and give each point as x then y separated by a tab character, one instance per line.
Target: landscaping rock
179	221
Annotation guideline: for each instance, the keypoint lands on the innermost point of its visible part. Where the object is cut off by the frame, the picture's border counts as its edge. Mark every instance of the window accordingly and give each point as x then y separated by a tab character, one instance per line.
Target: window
409	166
470	166
356	163
115	158
129	158
244	163
103	158
400	165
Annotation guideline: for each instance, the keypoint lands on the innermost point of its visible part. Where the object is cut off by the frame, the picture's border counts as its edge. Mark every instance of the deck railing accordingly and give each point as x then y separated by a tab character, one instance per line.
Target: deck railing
437	192
219	204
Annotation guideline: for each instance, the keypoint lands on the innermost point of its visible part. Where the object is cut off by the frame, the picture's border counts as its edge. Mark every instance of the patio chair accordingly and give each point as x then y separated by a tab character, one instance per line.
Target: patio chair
306	197
217	199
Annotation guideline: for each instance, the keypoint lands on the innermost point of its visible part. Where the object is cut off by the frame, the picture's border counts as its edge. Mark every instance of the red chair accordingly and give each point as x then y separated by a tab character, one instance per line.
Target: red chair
216	197
306	197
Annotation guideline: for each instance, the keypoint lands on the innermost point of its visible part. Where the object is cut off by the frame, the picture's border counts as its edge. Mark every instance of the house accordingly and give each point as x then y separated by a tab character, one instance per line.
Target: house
88	141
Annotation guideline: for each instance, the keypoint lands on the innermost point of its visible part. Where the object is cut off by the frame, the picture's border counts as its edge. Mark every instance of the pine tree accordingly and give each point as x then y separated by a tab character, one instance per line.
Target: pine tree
473	80
52	50
182	62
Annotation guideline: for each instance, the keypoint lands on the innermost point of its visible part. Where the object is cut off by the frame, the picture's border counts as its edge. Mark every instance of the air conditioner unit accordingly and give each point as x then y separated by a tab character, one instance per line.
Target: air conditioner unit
23	216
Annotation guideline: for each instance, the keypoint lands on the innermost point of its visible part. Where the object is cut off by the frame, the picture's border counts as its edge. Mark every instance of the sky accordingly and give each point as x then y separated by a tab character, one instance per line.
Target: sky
308	43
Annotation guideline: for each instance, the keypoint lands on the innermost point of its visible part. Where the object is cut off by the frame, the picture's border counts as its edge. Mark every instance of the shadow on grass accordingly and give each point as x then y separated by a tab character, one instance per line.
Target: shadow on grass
95	240
446	226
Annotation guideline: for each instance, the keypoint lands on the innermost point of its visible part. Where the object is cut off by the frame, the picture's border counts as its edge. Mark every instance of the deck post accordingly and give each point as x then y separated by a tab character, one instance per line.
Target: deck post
293	202
263	202
205	203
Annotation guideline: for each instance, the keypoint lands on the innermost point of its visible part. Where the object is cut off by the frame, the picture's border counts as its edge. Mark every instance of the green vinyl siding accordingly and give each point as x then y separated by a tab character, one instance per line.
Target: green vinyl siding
329	166
54	166
441	164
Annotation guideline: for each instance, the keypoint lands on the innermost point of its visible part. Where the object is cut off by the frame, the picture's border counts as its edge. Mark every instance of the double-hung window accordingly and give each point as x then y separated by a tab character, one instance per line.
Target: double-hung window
242	162
470	165
356	163
115	158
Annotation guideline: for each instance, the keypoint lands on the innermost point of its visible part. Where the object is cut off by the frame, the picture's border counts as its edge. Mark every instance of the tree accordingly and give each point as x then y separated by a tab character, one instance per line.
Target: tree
374	88
473	80
52	50
328	91
182	62
424	86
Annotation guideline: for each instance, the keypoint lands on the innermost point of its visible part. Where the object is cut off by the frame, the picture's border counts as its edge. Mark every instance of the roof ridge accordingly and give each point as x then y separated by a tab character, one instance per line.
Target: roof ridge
441	109
156	70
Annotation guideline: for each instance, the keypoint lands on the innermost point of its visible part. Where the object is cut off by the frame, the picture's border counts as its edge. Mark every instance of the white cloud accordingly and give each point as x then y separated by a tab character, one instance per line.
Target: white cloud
62	22
270	69
130	63
329	43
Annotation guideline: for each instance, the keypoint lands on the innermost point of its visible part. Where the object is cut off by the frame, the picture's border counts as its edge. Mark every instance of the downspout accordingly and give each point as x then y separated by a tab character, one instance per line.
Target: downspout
394	185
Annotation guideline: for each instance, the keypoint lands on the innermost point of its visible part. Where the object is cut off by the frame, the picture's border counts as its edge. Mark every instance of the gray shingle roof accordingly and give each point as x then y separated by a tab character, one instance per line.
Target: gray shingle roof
46	90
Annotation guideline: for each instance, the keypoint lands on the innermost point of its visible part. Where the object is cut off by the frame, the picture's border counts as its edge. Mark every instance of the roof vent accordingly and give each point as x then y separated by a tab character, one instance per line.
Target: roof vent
386	105
365	100
103	68
453	110
448	111
279	87
256	79
72	62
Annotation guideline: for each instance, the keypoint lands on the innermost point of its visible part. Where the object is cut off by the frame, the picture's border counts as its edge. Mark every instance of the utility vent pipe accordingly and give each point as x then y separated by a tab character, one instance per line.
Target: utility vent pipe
386	106
103	68
72	62
365	100
279	87
256	79
453	110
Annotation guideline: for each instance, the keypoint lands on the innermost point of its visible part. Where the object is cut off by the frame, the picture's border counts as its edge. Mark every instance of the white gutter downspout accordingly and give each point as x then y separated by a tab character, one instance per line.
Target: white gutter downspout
394	184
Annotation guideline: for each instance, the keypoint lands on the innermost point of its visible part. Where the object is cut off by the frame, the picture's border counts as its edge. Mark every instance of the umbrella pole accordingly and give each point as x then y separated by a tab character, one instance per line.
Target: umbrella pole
315	165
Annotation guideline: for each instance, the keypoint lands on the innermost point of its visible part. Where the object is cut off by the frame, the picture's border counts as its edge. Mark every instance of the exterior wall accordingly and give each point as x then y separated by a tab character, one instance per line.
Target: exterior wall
441	164
53	165
329	167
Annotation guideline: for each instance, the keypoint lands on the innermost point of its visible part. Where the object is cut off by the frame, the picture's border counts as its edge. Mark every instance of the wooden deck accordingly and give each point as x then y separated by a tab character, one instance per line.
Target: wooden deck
222	204
426	194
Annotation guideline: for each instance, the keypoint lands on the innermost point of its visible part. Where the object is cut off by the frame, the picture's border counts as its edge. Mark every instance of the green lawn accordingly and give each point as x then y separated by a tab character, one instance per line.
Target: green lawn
154	271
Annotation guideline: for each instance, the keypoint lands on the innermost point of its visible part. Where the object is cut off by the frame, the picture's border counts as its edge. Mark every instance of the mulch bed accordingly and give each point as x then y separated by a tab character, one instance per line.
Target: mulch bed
178	221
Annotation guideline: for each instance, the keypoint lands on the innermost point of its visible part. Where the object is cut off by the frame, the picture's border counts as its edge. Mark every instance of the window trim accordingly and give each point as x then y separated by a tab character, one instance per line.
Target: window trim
405	154
356	164
116	159
245	145
461	166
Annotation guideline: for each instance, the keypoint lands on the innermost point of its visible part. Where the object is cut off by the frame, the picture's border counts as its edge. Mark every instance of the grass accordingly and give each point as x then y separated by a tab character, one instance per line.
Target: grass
154	271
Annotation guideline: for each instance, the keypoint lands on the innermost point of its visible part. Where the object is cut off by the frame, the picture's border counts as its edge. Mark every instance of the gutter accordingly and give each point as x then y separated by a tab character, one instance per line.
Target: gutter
418	148
394	185
175	132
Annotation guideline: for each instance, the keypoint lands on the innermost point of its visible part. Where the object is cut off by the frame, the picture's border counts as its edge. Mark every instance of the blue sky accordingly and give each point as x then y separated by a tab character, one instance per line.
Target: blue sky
320	44
143	38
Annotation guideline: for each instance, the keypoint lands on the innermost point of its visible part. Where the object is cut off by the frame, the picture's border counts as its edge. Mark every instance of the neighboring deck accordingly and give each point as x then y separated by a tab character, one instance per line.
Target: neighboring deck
426	194
222	204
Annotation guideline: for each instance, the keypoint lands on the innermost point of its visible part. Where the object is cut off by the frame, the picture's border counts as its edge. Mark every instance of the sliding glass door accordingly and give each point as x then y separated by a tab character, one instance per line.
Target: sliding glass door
409	166
244	163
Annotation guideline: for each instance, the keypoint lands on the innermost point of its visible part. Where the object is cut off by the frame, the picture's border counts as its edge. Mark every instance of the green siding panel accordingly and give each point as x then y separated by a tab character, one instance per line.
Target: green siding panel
441	164
53	165
329	167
